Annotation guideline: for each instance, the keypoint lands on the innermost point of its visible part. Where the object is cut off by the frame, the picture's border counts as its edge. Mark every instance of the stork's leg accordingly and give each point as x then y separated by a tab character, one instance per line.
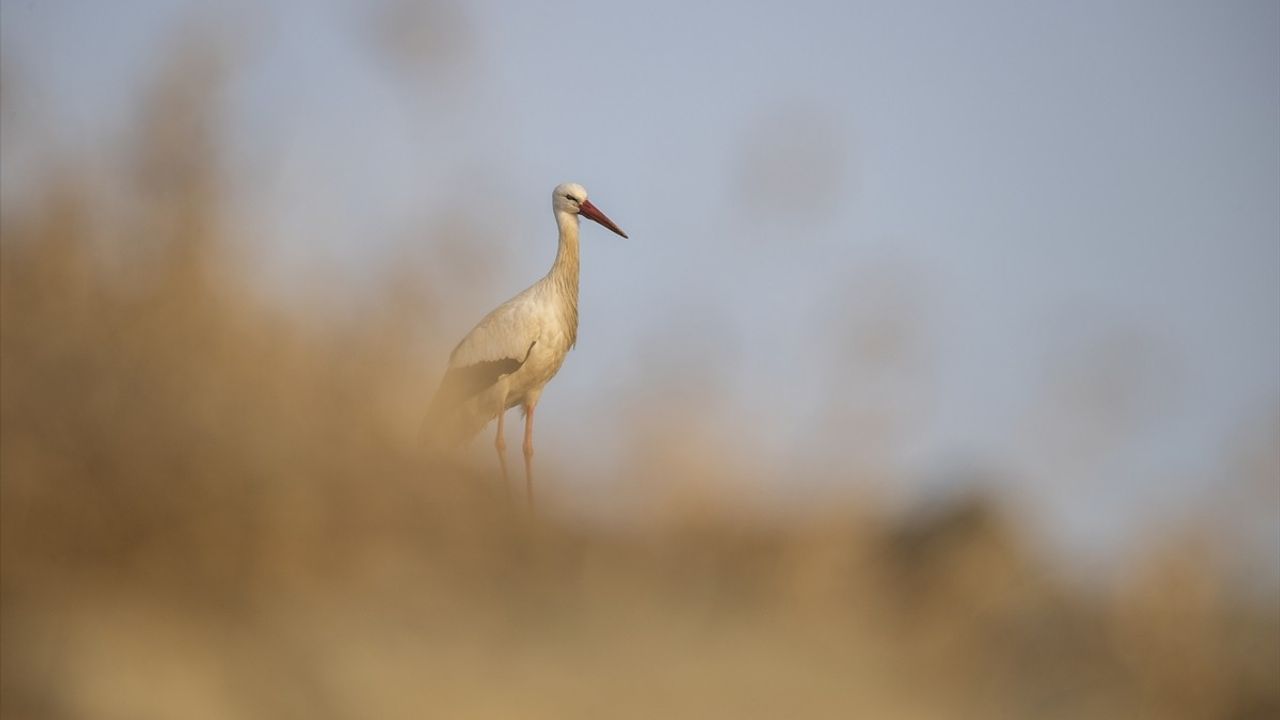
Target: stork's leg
528	451
500	444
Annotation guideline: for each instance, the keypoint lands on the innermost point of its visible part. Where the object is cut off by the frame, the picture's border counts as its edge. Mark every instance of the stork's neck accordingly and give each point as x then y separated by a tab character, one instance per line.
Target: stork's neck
564	272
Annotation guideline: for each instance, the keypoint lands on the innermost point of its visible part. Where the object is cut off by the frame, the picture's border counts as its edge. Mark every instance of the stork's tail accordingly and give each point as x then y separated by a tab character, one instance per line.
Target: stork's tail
447	427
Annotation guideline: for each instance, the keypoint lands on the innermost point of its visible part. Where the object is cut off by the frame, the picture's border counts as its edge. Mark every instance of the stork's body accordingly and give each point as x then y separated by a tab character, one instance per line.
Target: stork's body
510	356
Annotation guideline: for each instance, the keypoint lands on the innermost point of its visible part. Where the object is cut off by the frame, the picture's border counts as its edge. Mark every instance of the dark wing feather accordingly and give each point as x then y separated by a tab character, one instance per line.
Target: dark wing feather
460	383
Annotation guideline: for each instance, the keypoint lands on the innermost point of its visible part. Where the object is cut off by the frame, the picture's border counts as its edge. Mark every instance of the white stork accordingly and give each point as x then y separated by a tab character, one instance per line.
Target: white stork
509	356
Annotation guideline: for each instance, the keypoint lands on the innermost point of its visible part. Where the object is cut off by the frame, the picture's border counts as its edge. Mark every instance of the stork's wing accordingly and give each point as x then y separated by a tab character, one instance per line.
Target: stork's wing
497	346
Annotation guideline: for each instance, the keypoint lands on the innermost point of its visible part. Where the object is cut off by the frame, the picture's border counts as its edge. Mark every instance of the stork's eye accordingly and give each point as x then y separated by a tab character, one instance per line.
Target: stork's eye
570	197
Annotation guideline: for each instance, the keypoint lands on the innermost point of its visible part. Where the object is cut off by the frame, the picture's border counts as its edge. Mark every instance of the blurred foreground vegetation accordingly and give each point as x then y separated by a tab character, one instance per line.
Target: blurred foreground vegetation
211	508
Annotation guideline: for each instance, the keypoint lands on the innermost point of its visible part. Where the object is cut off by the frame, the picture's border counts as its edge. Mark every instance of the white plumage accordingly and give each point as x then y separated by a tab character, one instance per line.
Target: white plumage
511	354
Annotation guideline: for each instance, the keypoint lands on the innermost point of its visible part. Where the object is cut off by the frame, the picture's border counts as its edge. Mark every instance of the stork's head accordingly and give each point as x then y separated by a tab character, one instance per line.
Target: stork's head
571	198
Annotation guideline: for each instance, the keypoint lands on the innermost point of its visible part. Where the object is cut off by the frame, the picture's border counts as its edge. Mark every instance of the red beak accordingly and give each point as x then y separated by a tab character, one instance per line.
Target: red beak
588	210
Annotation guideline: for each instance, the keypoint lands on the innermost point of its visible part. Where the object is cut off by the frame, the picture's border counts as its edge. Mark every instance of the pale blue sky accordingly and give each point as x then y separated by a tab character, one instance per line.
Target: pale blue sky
1042	187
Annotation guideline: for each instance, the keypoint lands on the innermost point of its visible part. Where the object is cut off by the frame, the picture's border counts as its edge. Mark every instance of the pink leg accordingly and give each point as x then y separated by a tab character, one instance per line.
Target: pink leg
528	452
500	444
